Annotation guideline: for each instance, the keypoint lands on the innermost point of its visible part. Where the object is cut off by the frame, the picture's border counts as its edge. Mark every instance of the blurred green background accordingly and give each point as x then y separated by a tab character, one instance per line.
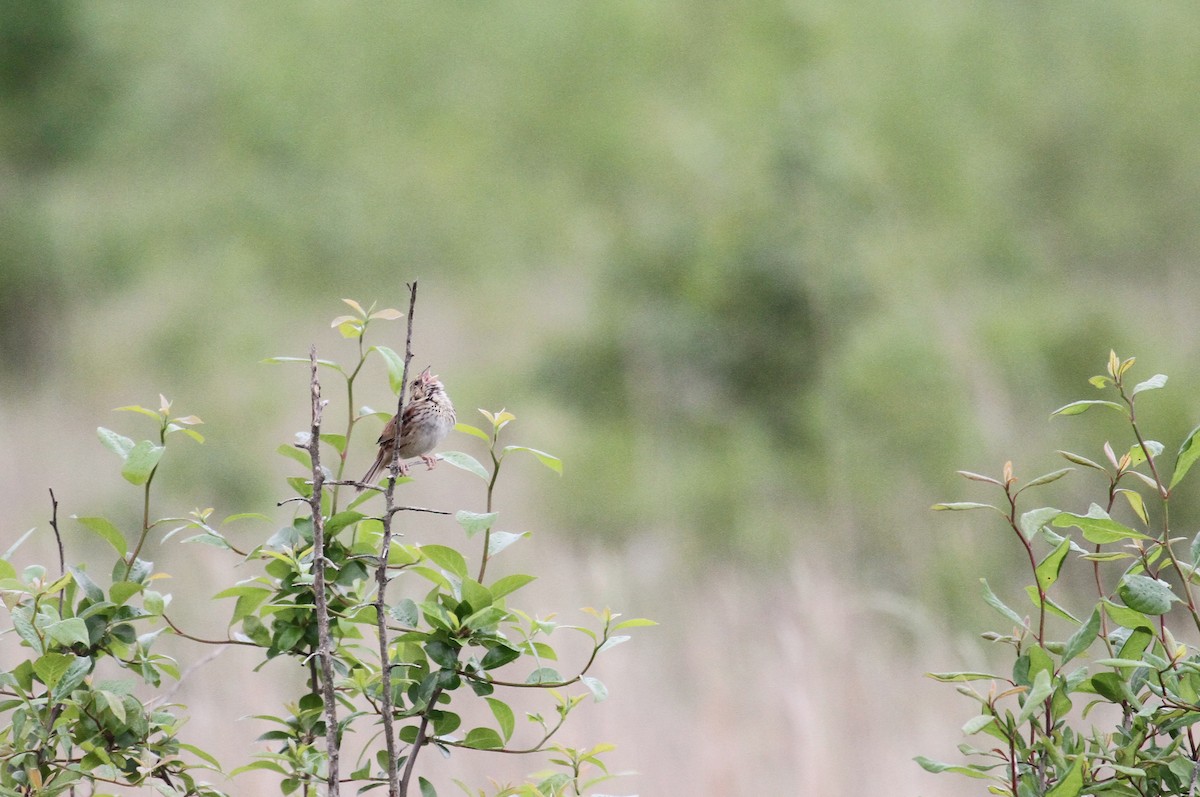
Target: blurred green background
763	274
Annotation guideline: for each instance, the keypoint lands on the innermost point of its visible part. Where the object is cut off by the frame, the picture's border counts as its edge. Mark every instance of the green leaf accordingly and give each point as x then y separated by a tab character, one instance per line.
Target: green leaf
201	754
551	462
73	677
448	559
1054	608
1138	454
1047	478
1125	616
122	591
115	703
1041	689
957	677
141	462
464	461
338	441
504	716
149	413
1122	663
405	612
51	667
976	724
990	598
116	443
89	587
106	530
395	367
507	584
1083	637
475	522
1146	595
340	521
1072	783
426	787
1098	527
1077	407
12	548
299	454
599	690
634	622
483	739
544	675
467	428
68	632
502	539
306	361
1153	383
1189	452
1048	569
930	765
498	656
1032	521
959	506
1081	460
1135	503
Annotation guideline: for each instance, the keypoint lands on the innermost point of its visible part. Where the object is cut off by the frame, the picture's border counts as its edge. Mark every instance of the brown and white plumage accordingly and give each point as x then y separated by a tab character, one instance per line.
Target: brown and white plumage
428	418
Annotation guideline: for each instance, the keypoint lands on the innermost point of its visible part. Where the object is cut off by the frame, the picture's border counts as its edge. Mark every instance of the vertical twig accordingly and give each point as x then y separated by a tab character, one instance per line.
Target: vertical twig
62	556
381	578
324	644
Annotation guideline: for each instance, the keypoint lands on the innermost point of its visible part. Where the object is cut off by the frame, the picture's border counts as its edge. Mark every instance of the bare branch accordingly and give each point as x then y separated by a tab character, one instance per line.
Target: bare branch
395	788
62	557
324	643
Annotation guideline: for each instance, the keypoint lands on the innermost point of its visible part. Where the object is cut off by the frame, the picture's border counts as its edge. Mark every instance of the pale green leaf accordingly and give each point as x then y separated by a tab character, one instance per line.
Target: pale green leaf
105	530
1189	452
1077	407
551	462
465	461
141	462
116	443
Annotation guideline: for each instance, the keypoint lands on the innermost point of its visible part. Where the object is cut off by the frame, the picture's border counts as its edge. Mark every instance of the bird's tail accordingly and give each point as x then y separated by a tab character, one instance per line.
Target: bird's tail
369	478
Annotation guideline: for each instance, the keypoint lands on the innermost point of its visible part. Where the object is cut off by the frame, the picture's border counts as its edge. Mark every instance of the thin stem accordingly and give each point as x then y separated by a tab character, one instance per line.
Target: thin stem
1165	496
180	632
1012	521
420	741
324	643
487	534
62	558
395	786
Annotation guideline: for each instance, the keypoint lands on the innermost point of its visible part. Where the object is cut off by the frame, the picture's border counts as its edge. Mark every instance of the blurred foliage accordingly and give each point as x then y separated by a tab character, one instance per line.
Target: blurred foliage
778	261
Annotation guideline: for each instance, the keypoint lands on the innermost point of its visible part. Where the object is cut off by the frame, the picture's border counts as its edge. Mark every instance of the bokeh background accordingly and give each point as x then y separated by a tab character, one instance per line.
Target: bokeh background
763	274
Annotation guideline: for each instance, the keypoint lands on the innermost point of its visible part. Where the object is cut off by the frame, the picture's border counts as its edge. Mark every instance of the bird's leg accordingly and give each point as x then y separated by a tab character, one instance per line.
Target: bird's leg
429	461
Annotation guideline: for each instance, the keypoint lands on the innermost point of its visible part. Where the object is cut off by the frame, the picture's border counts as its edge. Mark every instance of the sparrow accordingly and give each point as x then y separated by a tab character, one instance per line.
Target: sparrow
428	418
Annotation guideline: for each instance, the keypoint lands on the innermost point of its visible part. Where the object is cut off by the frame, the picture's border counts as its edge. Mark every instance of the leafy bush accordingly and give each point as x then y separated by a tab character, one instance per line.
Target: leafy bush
1121	722
401	667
